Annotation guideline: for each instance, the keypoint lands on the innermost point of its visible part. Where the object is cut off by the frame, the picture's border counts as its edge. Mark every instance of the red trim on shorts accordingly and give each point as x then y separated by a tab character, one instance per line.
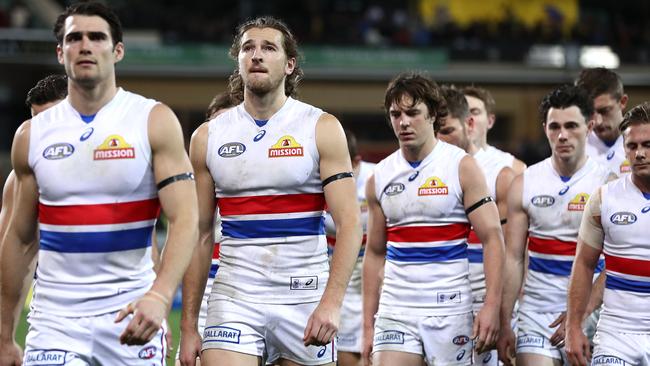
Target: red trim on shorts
273	204
411	234
551	246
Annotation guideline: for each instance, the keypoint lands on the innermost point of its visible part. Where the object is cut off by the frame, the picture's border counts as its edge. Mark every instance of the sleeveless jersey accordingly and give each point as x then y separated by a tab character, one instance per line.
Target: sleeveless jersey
554	209
596	148
625	217
491	169
97	207
426	270
271	202
615	159
365	171
505	157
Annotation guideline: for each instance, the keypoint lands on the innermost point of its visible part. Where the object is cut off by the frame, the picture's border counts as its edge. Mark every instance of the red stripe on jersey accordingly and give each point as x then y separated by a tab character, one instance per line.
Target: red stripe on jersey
414	234
551	246
331	241
274	204
636	267
102	214
472	238
215	251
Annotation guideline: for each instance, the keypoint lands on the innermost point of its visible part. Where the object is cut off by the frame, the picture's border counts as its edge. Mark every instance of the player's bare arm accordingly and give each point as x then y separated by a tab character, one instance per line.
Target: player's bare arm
19	247
516	235
504	179
340	196
485	222
196	275
518	166
178	202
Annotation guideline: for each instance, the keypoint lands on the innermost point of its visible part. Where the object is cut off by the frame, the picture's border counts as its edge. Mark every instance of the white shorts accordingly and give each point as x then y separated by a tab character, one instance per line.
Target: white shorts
534	335
441	340
350	330
624	349
85	341
270	331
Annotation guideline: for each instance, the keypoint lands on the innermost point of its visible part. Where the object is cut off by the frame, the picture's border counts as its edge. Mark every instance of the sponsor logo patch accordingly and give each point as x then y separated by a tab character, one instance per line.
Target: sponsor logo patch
43	357
608	360
231	149
58	151
451	297
530	341
623	218
221	334
578	202
304	283
460	340
389	337
625	167
433	187
610	154
394	189
542	201
286	146
147	353
114	147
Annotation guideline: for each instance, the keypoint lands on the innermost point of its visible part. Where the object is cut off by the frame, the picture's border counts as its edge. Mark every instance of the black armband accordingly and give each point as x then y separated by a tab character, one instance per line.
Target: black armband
175	178
478	204
504	221
337	177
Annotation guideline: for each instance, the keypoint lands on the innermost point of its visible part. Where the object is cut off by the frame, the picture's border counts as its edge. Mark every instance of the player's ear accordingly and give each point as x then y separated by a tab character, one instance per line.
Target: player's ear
118	51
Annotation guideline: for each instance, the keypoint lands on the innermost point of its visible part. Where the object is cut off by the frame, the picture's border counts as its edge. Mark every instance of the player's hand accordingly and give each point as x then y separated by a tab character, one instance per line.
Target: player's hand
149	312
557	339
577	347
506	346
190	347
366	346
486	328
322	325
10	354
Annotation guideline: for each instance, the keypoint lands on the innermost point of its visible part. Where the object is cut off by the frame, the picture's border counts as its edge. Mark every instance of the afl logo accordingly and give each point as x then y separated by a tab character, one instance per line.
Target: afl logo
58	151
231	149
394	189
461	340
623	218
147	353
542	201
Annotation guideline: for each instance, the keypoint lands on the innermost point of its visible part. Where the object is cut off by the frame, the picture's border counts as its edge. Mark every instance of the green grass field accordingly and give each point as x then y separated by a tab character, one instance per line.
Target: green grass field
174	324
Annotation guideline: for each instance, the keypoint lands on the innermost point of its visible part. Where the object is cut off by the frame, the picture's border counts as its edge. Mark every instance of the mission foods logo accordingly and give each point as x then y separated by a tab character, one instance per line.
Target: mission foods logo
433	187
114	147
578	202
625	167
285	147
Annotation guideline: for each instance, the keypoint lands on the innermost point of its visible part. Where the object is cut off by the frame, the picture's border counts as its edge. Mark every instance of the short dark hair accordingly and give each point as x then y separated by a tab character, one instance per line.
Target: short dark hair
484	95
457	106
636	116
89	8
566	96
421	88
220	101
599	81
353	147
49	89
289	44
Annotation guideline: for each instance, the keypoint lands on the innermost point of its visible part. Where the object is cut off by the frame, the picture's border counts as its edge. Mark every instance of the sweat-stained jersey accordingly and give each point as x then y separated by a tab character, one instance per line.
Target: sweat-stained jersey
97	208
554	206
271	202
426	271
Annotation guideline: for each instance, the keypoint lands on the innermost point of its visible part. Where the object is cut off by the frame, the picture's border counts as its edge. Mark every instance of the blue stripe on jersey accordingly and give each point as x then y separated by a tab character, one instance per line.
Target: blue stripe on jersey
252	229
213	270
618	283
475	255
429	254
556	267
96	242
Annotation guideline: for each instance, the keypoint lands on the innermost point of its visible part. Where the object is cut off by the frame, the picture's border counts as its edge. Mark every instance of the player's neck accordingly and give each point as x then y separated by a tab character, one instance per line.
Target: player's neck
418	153
567	168
89	100
642	183
472	149
263	107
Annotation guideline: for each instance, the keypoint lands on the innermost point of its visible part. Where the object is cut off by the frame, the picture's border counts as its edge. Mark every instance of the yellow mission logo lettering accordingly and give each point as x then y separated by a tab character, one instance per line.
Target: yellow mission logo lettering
433	187
114	147
625	167
578	202
286	147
